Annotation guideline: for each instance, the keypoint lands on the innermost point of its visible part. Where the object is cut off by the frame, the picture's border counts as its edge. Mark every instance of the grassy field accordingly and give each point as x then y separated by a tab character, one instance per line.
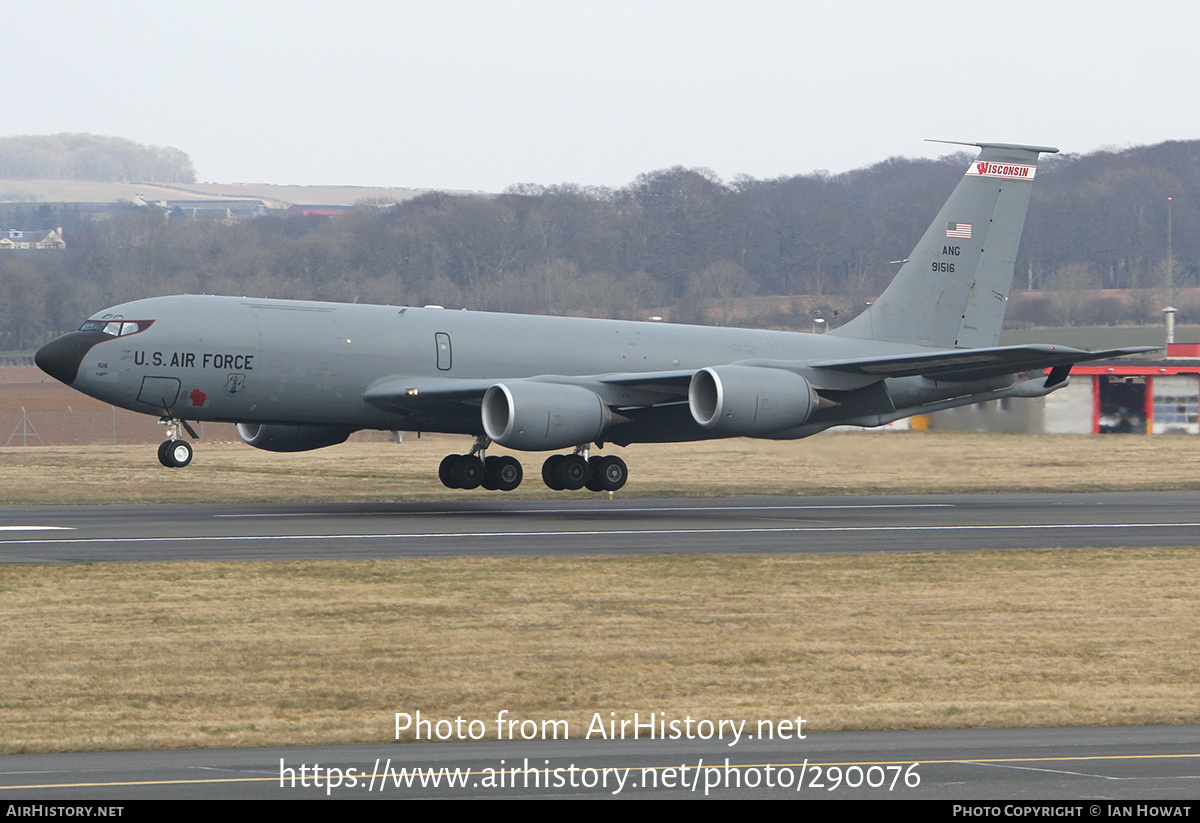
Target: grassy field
853	463
176	655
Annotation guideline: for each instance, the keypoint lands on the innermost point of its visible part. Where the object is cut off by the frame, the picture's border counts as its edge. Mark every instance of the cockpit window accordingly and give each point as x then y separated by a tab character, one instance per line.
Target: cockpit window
117	328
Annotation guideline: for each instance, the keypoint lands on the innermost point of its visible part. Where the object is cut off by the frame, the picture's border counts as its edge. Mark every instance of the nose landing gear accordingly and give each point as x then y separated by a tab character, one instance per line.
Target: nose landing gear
175	452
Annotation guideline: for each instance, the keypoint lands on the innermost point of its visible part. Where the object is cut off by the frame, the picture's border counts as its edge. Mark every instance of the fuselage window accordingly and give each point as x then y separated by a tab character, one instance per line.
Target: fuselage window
443	351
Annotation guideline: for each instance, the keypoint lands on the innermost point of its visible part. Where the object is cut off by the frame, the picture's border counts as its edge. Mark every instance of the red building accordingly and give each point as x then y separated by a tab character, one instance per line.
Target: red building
1131	396
1122	396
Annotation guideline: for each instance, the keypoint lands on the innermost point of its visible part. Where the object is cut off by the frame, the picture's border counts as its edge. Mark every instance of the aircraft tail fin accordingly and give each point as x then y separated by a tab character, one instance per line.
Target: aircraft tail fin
953	289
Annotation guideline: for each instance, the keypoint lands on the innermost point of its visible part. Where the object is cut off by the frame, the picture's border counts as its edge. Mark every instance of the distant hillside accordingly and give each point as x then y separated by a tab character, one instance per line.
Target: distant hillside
87	191
676	242
91	157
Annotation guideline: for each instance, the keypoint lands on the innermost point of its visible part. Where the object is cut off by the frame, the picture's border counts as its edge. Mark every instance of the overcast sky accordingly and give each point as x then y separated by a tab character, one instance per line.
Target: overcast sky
467	94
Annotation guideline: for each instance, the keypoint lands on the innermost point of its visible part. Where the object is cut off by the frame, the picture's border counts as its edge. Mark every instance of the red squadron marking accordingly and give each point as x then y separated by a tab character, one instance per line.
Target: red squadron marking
986	168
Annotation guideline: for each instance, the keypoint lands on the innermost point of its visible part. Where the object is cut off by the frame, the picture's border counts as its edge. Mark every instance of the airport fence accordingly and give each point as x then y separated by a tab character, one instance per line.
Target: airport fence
69	426
76	427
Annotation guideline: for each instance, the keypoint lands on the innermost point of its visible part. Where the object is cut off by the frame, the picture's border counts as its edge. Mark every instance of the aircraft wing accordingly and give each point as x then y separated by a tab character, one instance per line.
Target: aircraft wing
973	364
423	394
633	389
949	365
658	387
413	394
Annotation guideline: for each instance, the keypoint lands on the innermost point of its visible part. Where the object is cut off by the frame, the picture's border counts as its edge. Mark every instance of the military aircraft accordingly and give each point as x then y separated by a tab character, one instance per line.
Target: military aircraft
299	375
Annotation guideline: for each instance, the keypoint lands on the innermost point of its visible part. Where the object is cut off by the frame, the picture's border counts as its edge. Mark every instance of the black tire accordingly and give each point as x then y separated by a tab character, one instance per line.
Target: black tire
178	453
444	471
594	474
467	472
548	472
612	473
509	473
162	454
491	468
571	472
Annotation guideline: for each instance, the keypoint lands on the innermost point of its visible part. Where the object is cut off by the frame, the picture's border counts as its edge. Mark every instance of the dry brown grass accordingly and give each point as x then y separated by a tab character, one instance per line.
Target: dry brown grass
212	654
861	462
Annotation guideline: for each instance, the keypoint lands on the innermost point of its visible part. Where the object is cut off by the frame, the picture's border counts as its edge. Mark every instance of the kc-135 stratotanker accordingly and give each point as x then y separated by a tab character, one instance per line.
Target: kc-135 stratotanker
299	375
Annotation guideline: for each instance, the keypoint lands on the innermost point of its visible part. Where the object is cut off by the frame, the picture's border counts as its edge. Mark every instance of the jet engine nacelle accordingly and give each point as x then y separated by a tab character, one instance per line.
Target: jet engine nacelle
750	401
275	438
533	416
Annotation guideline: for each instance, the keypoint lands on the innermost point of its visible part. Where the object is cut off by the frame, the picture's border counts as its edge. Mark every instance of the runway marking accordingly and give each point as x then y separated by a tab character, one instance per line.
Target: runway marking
1079	774
590	533
1001	762
1004	765
607	510
36	528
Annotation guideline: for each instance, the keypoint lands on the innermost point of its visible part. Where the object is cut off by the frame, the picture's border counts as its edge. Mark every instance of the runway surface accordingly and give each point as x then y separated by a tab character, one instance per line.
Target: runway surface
1092	765
495	526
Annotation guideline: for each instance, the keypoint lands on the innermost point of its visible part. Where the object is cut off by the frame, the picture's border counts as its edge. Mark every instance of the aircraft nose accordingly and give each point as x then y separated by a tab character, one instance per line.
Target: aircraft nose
60	358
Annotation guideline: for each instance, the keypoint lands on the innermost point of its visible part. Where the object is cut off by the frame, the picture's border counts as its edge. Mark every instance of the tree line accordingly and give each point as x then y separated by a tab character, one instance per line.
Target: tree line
91	157
677	241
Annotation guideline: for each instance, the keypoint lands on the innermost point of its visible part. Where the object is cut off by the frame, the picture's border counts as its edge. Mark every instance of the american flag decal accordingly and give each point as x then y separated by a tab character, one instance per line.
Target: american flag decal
962	230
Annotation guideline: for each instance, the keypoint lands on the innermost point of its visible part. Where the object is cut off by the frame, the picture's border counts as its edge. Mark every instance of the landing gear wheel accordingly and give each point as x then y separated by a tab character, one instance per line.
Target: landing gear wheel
571	472
548	472
595	476
444	471
467	471
489	474
180	453
504	473
174	454
610	473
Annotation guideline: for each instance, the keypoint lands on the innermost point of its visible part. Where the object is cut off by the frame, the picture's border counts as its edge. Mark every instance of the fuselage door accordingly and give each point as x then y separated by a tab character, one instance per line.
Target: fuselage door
159	392
444	359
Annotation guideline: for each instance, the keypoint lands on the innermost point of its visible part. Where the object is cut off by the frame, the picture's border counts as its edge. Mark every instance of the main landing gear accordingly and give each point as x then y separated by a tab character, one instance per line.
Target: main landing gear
470	471
577	471
175	452
559	472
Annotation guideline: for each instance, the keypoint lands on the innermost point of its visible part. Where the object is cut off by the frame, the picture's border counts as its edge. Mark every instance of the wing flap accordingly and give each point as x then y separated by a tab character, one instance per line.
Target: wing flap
973	364
411	395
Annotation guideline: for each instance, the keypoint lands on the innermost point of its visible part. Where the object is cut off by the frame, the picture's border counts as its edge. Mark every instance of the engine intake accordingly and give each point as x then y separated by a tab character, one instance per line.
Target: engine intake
750	401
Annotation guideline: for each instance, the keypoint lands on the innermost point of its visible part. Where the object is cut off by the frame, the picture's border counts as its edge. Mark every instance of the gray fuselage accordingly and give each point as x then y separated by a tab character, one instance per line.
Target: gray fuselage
251	360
